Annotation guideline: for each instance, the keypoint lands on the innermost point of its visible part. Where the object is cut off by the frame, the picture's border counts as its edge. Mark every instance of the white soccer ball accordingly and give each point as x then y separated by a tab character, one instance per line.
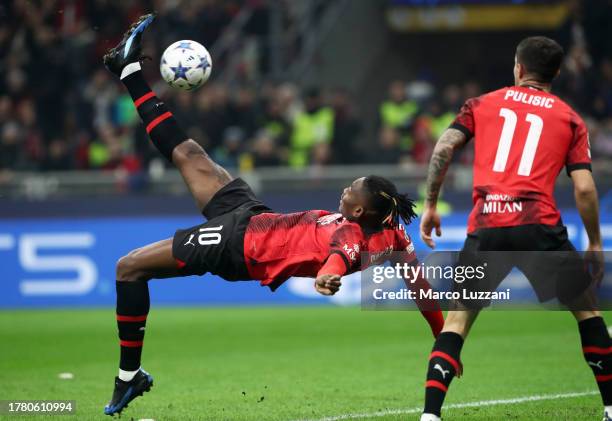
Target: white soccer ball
186	65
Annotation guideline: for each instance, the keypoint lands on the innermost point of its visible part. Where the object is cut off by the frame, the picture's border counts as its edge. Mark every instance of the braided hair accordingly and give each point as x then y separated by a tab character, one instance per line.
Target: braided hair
387	203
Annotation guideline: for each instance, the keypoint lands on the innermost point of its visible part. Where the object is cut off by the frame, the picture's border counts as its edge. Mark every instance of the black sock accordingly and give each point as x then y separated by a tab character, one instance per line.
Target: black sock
132	310
160	124
443	365
596	349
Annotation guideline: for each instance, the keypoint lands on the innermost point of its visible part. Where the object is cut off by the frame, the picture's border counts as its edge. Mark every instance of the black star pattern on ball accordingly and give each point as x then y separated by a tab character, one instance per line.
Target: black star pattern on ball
180	71
184	45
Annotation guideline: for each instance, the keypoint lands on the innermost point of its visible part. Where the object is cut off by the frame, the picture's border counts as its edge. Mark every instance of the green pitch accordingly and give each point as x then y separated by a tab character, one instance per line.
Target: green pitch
295	363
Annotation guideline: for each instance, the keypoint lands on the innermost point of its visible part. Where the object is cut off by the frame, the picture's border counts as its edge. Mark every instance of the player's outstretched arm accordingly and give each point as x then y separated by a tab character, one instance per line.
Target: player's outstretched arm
327	281
585	194
449	142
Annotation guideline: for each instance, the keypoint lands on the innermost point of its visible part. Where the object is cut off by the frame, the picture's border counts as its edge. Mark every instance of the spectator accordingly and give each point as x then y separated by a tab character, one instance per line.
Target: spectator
10	150
60	110
312	128
398	113
243	110
601	135
388	150
228	153
347	128
274	122
214	112
58	156
265	151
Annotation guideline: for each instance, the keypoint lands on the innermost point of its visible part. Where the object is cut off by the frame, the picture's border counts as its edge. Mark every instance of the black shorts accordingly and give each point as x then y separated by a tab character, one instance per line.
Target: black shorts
543	253
217	246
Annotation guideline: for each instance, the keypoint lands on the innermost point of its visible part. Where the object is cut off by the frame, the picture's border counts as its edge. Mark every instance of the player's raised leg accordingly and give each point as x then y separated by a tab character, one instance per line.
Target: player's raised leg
133	273
203	176
445	360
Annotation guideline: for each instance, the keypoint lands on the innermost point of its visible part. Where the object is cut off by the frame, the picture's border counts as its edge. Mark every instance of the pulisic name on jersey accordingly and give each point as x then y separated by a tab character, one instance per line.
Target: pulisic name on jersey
529	99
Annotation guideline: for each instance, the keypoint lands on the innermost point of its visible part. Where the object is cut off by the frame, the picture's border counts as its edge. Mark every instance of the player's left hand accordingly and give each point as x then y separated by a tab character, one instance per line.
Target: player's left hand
594	260
327	284
430	220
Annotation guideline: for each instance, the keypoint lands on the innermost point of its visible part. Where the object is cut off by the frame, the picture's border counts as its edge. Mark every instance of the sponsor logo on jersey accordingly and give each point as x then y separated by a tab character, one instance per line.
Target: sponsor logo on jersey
500	197
502	207
501	203
375	257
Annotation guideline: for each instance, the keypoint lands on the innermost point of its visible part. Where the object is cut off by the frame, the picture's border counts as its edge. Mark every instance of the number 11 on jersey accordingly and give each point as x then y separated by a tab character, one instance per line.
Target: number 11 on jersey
507	135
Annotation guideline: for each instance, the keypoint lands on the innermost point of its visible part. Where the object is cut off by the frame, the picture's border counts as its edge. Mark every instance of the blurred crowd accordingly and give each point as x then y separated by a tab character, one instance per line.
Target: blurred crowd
61	110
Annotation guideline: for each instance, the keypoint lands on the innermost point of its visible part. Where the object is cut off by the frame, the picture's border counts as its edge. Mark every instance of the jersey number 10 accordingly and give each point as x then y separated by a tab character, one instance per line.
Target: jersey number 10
505	141
209	236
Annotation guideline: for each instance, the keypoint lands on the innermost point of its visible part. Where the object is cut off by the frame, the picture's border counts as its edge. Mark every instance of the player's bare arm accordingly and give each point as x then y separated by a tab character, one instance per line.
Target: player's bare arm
449	142
587	203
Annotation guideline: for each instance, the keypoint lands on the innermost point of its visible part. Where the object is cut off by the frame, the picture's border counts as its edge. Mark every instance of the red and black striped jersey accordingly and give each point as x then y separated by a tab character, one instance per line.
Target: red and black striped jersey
523	137
278	246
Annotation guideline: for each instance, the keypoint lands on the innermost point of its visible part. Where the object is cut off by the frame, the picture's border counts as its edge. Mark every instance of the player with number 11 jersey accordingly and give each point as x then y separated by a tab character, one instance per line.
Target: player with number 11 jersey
523	137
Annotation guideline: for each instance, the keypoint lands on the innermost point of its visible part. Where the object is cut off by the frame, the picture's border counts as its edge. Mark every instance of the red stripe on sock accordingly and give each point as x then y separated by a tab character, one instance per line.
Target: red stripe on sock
121	318
603	377
596	350
144	98
131	344
158	120
446	357
436	384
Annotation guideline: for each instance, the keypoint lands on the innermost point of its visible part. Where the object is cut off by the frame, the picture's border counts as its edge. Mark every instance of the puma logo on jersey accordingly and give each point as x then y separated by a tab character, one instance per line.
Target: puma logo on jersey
598	364
443	371
191	237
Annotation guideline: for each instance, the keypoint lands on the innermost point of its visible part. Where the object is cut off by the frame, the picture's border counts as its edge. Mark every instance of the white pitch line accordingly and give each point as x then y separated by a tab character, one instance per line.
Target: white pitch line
494	402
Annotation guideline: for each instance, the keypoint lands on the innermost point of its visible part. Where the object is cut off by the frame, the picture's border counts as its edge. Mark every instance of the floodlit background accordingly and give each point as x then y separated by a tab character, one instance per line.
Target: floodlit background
305	96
